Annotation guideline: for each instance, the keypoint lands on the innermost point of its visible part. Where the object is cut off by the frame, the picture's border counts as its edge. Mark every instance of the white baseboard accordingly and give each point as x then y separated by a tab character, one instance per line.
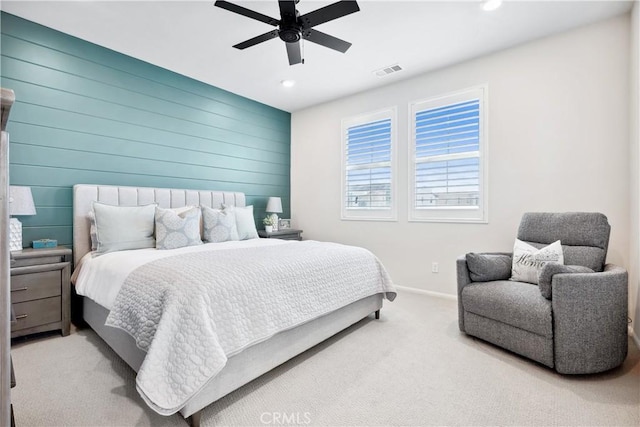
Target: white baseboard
634	337
425	292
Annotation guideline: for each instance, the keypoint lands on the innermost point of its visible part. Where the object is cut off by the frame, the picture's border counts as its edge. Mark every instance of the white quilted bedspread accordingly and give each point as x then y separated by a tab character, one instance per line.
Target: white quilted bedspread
191	312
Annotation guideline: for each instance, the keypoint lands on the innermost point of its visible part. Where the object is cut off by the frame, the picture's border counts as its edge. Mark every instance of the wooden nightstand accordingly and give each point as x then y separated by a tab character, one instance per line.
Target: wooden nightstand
40	290
286	234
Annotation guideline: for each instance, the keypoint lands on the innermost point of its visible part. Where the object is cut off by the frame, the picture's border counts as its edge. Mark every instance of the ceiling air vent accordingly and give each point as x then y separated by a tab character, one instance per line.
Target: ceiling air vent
382	72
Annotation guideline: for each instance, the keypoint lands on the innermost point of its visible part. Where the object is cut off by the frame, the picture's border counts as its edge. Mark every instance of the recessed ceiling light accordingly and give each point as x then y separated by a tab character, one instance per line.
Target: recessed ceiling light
490	5
288	83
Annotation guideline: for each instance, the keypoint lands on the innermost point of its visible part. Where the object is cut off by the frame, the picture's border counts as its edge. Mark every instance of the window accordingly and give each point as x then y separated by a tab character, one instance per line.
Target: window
368	171
447	149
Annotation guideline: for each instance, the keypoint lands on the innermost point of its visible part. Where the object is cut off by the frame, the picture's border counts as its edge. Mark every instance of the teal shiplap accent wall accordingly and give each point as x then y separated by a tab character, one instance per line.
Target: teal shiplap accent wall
87	114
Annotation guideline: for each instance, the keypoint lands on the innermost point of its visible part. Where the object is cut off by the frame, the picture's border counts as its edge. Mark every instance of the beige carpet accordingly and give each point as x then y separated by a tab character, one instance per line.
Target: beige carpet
412	367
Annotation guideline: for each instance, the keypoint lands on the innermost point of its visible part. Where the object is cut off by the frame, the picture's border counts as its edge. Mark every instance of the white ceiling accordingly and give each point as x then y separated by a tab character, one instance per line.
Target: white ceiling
195	39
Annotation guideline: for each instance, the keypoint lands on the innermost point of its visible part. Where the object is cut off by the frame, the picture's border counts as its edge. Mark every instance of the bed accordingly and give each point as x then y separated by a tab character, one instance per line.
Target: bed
248	361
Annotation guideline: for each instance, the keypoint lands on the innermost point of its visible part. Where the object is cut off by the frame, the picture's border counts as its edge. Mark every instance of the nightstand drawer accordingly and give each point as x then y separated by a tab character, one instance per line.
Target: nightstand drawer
36	261
37	312
289	237
284	234
27	287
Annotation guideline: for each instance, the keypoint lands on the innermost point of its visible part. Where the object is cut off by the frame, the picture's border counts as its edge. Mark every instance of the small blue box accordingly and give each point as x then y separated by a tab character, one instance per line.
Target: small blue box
44	243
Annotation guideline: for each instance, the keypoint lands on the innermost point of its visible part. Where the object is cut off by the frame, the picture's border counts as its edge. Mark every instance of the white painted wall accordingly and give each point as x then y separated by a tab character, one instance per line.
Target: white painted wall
558	141
634	129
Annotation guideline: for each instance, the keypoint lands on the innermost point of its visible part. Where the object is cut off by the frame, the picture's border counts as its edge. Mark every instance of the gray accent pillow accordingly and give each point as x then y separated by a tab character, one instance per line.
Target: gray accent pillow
245	221
219	225
545	277
488	267
120	228
176	229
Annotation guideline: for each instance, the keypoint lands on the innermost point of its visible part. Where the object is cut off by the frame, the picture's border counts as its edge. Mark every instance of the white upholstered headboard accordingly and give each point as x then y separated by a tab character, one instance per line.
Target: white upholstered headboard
84	195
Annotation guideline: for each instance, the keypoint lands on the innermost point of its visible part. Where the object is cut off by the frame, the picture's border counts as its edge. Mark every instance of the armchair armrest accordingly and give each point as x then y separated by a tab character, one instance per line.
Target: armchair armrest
464	278
550	270
590	320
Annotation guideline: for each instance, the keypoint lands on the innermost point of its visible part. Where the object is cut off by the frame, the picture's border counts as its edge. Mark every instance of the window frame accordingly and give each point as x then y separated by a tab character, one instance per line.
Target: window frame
369	214
457	214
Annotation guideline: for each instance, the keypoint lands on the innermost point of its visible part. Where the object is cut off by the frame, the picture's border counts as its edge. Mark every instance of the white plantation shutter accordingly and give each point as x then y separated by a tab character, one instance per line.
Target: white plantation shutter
368	144
447	176
447	155
368	167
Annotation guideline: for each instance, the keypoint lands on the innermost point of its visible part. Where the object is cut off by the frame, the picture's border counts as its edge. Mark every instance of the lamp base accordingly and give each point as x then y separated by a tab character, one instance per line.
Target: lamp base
275	222
15	235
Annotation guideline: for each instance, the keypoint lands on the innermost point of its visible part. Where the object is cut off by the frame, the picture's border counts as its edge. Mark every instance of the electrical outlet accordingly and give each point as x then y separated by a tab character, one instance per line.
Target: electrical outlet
434	267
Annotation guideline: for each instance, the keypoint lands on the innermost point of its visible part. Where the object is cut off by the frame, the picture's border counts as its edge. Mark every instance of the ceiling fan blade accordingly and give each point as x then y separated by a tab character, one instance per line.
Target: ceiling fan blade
259	39
326	40
247	12
293	52
329	13
287	10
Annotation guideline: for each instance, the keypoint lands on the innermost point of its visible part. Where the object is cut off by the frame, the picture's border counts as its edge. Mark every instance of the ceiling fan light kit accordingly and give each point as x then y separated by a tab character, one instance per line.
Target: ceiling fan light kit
293	28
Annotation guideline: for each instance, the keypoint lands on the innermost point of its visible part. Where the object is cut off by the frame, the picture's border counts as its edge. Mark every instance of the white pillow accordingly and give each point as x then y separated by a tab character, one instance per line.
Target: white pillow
120	228
219	225
245	221
177	228
528	260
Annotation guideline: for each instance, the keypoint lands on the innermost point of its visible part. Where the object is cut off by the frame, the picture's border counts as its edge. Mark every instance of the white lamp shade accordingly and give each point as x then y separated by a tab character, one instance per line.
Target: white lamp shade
274	205
21	201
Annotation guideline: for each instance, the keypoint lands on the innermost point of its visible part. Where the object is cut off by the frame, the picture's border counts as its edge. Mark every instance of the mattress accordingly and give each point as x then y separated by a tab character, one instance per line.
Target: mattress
101	277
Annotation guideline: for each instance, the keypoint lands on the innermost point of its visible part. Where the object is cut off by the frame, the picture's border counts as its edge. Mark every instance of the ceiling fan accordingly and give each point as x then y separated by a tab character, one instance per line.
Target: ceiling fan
293	27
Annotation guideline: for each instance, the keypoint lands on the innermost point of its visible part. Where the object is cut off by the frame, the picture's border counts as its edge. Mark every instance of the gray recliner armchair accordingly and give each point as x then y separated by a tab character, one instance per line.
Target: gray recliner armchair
575	320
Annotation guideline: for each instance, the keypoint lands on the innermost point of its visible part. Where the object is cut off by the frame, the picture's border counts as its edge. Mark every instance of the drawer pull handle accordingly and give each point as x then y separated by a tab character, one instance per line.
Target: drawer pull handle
19	289
21	316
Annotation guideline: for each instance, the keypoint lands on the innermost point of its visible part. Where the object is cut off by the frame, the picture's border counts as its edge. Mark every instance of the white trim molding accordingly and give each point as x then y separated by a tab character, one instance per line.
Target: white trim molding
425	292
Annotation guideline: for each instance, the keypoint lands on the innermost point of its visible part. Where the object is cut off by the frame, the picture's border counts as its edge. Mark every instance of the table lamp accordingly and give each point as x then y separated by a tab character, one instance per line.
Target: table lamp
274	205
20	203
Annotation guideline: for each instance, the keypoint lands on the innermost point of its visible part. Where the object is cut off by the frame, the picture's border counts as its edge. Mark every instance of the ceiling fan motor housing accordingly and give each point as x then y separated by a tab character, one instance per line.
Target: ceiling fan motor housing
290	34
